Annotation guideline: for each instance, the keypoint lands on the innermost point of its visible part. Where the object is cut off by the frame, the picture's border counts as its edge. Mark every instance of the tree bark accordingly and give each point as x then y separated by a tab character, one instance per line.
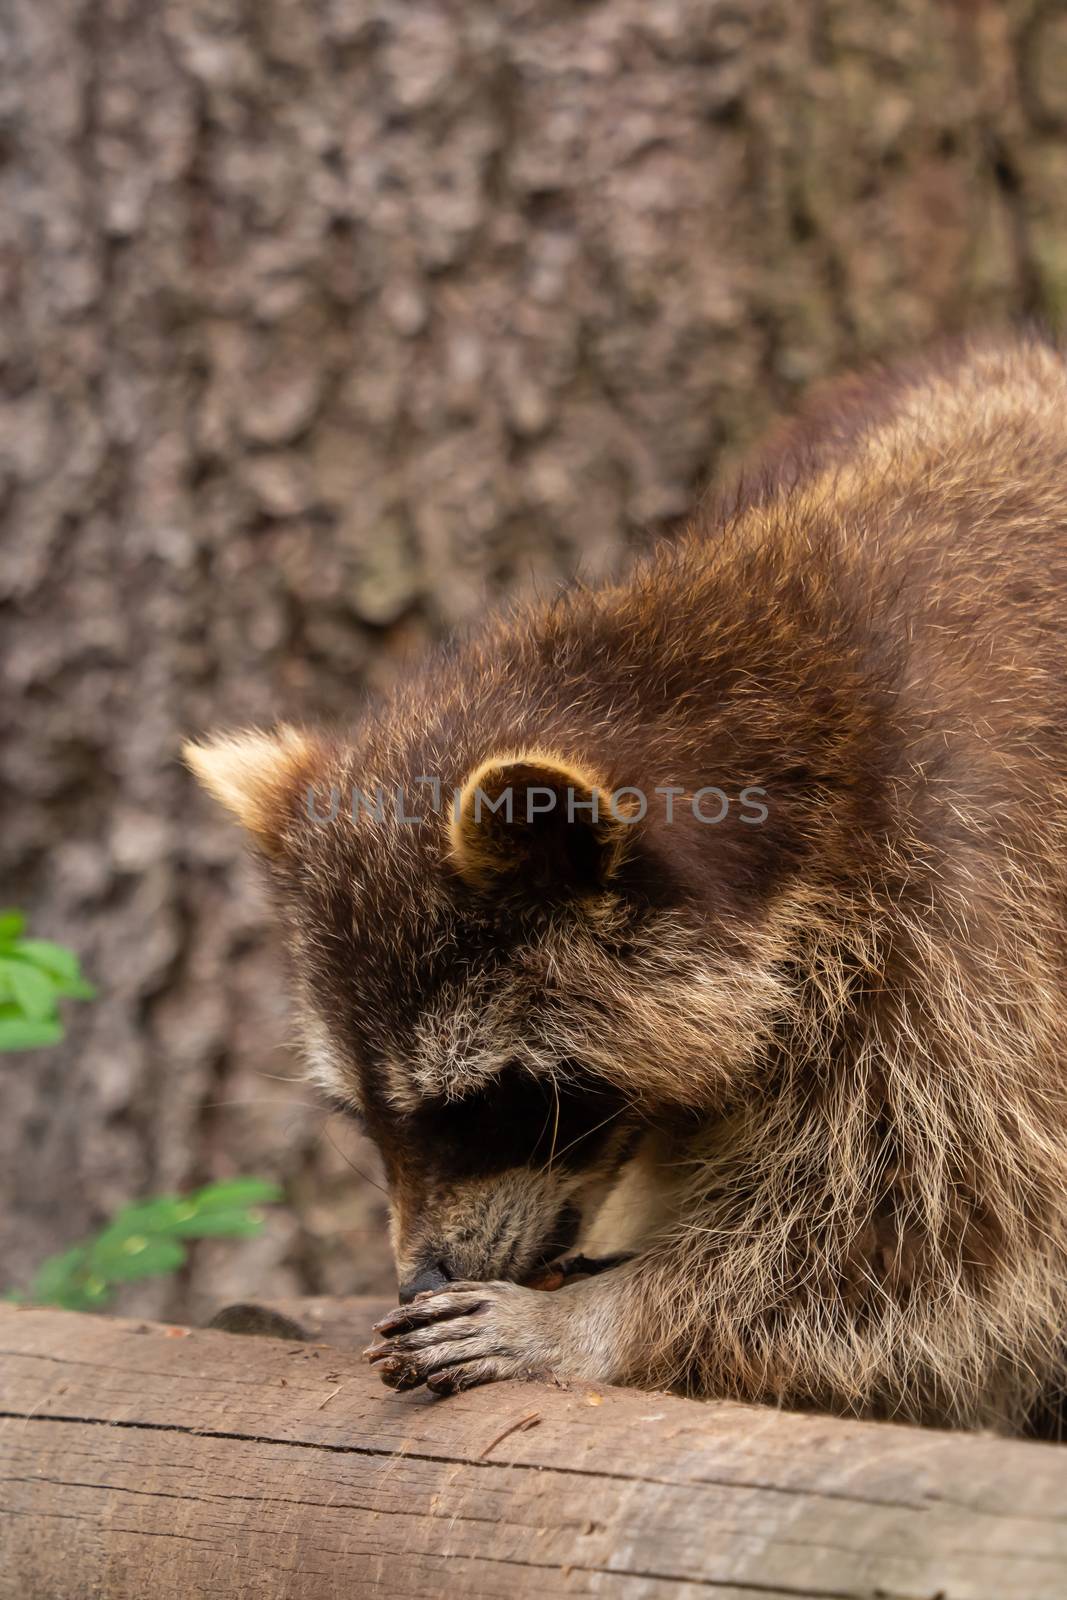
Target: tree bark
148	1459
324	322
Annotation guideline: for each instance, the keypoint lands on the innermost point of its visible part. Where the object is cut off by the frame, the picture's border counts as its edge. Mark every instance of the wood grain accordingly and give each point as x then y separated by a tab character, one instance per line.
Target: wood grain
140	1459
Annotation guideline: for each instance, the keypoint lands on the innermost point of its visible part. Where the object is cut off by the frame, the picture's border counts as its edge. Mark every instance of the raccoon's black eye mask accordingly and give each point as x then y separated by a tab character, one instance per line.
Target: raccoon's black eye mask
517	1120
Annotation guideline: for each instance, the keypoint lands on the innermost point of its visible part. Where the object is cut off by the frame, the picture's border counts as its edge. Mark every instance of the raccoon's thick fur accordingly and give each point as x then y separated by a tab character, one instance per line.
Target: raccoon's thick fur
785	1024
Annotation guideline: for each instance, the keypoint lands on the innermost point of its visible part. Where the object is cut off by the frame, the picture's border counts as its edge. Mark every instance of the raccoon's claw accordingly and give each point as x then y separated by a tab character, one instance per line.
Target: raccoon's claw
433	1305
470	1333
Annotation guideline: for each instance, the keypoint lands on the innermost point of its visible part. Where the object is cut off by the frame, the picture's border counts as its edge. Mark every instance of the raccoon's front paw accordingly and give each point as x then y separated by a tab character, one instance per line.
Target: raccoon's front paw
467	1334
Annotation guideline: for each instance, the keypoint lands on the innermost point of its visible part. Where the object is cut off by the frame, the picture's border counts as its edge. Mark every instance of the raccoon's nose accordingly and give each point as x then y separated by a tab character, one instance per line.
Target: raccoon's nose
434	1276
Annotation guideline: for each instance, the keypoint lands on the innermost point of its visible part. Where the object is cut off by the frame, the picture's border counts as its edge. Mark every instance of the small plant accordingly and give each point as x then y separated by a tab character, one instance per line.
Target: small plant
147	1240
35	975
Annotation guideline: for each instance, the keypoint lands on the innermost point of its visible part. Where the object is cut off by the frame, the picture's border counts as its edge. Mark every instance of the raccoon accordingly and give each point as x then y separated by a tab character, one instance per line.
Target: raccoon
710	925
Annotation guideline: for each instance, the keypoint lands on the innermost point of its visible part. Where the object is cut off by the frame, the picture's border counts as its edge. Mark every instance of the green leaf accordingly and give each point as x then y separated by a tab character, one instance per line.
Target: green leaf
214	1211
18	1032
139	1255
145	1240
50	957
238	1224
89	1296
60	965
87	1293
32	991
234	1192
11	925
158	1216
74	989
58	1275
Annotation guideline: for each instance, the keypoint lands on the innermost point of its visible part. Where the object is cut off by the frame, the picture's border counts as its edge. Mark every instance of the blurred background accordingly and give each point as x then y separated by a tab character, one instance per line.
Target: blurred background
325	322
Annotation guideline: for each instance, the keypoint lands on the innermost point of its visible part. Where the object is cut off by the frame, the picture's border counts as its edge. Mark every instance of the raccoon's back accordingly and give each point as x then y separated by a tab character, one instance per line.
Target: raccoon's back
898	554
946	481
928	502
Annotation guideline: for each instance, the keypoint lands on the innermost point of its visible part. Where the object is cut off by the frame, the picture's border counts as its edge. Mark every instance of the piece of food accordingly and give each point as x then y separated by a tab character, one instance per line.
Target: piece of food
561	1272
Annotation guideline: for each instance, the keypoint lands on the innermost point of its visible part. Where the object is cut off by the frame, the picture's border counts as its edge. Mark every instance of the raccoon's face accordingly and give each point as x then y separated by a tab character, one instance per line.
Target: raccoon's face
522	1005
509	1177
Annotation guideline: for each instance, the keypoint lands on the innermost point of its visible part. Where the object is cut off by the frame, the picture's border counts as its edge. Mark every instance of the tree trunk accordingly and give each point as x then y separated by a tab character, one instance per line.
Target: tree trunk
324	322
158	1461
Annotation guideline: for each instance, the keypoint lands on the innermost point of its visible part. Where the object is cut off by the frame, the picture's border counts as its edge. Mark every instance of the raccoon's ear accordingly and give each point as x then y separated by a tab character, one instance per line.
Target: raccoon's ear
255	775
540	821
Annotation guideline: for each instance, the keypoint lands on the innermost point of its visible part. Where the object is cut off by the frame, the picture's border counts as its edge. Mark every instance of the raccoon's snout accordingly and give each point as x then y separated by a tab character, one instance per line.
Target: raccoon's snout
432	1277
439	1265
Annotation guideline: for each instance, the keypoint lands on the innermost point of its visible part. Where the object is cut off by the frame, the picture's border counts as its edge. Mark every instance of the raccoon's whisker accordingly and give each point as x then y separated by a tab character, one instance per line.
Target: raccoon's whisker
349	1162
544	1125
590	1131
267	1100
555	1126
546	1166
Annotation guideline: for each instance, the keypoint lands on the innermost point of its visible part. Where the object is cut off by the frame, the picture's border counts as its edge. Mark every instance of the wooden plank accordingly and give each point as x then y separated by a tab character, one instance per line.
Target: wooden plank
138	1459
